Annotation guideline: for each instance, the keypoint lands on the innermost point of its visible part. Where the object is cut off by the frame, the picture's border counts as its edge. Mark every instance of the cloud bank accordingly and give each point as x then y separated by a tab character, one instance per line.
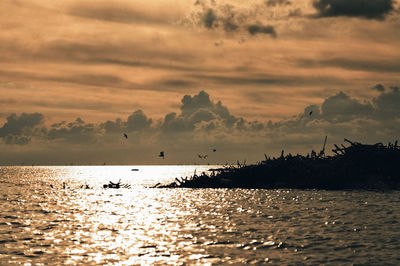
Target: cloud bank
203	123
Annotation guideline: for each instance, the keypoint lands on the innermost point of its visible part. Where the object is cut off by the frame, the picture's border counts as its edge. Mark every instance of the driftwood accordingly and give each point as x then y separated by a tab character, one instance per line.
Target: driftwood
353	166
116	185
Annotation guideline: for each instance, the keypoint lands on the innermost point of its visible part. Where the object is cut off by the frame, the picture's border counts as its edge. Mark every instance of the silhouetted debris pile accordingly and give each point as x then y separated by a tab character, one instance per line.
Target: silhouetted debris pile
356	166
116	185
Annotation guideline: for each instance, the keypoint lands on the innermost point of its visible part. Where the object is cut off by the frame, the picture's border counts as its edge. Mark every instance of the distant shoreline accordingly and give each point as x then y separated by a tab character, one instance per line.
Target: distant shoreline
356	166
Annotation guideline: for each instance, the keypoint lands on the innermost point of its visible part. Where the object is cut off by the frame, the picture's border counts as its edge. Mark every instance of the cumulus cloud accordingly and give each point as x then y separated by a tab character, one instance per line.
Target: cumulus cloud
19	129
341	107
77	131
202	122
387	104
341	116
138	121
369	9
199	110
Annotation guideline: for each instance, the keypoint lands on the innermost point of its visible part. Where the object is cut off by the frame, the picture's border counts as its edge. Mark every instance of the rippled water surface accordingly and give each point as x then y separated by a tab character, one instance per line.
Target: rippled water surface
141	225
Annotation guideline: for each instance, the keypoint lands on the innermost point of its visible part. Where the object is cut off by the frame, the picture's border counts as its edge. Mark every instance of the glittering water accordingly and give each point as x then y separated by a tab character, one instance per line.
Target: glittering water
142	225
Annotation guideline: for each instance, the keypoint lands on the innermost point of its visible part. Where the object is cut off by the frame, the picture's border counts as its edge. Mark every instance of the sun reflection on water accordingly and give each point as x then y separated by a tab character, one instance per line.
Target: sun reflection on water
119	224
141	225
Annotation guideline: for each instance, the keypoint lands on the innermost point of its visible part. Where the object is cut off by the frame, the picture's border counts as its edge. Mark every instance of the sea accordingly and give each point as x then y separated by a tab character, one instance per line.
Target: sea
60	215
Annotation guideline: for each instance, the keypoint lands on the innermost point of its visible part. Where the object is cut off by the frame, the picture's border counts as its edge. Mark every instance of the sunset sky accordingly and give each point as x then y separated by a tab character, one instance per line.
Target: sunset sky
189	76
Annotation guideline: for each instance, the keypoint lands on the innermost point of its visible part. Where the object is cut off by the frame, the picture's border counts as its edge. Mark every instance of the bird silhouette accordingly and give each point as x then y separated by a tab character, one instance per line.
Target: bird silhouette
161	154
214	150
125	136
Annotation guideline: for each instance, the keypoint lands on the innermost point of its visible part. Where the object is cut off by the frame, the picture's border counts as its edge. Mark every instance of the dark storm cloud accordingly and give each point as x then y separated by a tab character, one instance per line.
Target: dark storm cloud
371	65
278	3
369	9
18	129
260	29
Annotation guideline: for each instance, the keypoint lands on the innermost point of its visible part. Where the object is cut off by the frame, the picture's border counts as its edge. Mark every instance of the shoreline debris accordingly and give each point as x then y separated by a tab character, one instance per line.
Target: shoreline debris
354	166
119	184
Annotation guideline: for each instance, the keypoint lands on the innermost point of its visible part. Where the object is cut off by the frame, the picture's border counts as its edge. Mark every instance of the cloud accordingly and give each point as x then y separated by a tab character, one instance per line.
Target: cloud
121	12
200	112
138	121
202	123
225	18
117	126
341	116
278	3
77	132
260	29
383	65
19	129
379	87
369	9
209	18
387	104
341	107
233	18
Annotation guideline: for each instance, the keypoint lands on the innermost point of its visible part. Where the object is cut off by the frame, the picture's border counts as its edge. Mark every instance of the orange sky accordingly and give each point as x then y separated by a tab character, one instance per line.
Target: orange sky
264	60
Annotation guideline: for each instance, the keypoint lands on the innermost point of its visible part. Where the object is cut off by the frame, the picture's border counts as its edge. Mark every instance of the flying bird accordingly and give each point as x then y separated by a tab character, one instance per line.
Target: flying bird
202	156
161	154
125	136
214	150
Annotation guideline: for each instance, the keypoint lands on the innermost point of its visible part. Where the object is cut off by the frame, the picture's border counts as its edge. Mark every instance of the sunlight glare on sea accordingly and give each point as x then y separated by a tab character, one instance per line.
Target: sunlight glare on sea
142	225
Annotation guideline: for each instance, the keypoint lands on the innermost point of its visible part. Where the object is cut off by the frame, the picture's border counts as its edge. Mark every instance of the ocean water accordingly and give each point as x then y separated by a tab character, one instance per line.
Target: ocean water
41	225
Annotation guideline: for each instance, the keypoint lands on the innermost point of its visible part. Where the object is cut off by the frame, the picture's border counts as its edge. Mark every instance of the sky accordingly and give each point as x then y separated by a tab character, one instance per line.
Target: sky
186	77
